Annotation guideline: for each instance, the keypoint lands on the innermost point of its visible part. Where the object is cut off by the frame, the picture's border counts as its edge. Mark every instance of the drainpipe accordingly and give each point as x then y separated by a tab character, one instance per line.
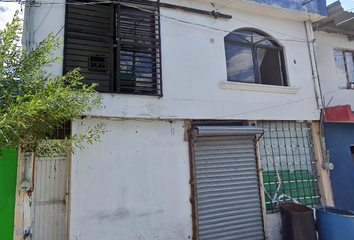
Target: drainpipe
315	74
28	41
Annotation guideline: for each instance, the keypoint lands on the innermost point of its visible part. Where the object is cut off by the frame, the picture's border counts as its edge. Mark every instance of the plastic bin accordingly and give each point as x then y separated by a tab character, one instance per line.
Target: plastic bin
298	222
334	223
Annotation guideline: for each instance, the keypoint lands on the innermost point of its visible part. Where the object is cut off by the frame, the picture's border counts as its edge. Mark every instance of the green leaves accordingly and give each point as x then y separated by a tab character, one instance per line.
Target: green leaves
34	102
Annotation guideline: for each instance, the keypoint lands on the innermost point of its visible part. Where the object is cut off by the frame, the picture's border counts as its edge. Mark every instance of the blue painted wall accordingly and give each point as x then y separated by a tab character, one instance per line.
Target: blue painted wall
314	7
339	137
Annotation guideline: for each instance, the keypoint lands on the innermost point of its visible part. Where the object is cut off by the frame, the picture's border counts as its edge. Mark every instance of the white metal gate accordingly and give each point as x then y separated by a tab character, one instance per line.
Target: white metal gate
227	187
50	197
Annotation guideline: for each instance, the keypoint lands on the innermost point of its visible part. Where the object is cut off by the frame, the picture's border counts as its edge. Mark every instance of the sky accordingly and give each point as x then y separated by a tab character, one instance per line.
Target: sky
7	10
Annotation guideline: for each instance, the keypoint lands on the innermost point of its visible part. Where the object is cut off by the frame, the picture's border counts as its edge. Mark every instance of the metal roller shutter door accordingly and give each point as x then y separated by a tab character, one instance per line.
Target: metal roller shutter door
228	196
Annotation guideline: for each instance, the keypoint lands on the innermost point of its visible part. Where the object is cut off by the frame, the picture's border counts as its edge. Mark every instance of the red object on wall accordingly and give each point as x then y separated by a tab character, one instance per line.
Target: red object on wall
339	114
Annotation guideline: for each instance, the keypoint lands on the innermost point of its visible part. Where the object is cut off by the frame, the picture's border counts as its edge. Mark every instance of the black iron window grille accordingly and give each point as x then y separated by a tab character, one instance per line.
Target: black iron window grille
288	163
254	57
116	45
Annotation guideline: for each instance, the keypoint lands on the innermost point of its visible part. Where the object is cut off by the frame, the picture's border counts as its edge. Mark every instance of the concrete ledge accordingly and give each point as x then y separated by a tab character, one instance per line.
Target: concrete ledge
258	88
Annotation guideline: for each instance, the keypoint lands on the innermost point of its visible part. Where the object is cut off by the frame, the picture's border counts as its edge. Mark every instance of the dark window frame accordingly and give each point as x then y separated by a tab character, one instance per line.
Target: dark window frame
138	74
349	78
254	46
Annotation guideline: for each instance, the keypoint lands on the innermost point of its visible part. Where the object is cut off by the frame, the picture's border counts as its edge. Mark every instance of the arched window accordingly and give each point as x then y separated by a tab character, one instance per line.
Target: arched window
254	57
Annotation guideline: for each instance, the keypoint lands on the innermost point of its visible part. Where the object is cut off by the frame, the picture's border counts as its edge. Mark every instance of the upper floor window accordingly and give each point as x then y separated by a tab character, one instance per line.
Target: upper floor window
116	45
345	68
254	57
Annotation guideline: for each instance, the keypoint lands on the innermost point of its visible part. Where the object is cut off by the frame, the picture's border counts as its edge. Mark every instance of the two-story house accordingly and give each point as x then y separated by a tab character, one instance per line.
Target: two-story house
213	111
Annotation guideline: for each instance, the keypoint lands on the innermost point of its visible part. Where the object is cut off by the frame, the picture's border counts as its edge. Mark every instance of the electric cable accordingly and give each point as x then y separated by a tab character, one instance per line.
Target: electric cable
216	29
294	38
227	4
44	18
274	106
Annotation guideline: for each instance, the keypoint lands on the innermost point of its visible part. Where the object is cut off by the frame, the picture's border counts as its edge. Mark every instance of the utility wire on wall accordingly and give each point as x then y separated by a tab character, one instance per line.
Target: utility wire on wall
293	38
44	17
274	106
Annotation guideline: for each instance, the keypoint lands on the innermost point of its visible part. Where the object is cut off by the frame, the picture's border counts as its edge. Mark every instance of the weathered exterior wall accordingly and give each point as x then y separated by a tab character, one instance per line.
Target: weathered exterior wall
274	226
314	7
330	80
8	169
193	68
285	9
339	139
132	185
23	205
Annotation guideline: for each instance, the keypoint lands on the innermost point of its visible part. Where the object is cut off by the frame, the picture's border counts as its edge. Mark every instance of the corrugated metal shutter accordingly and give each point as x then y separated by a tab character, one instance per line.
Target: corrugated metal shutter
228	195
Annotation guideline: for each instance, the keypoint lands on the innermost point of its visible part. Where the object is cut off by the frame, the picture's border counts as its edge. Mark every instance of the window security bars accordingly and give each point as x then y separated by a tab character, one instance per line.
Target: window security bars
61	132
116	45
288	163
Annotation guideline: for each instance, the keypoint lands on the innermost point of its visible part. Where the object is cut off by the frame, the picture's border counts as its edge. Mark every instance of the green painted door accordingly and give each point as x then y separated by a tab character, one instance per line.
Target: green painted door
8	170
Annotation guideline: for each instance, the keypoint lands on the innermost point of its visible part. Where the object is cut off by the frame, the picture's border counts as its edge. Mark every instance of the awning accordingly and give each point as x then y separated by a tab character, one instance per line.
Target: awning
338	21
339	114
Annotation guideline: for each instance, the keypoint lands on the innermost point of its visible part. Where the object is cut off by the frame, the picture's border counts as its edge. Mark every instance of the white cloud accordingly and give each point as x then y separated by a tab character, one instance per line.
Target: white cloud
7	11
3	9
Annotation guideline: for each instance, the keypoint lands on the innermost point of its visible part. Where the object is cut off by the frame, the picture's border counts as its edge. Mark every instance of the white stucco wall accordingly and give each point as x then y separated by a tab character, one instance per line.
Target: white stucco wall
193	67
273	226
135	183
132	185
42	19
330	79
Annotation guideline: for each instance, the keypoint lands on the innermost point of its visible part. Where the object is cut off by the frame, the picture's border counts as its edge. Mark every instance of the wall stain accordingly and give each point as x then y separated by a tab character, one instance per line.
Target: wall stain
108	215
146	214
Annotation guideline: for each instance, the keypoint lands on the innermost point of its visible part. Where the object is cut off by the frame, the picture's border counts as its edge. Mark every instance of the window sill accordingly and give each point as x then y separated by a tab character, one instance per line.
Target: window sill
258	88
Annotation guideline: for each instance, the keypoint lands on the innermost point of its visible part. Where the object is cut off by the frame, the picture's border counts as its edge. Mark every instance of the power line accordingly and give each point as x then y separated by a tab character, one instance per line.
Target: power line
294	38
44	17
269	29
274	106
212	28
226	4
299	40
59	31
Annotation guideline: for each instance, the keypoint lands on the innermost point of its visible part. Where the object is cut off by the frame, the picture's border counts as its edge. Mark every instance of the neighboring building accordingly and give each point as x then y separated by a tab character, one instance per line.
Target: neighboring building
213	114
335	49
